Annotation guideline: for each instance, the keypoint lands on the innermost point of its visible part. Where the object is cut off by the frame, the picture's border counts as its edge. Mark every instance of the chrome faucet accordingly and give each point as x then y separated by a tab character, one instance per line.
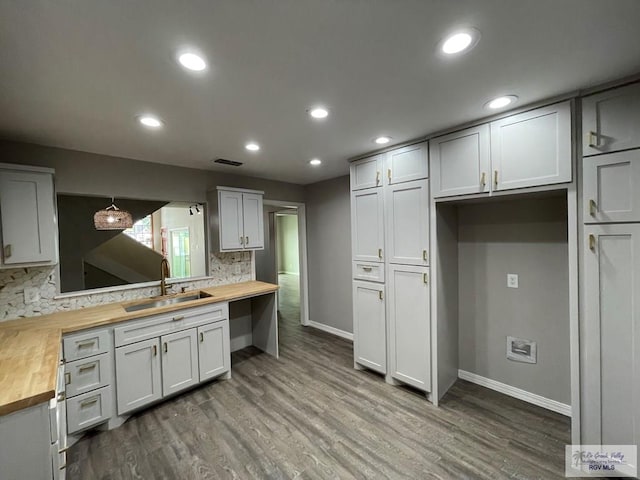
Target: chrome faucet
164	273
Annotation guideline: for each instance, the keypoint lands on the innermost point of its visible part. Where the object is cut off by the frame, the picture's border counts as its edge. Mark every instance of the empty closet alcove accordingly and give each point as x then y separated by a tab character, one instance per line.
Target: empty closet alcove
479	243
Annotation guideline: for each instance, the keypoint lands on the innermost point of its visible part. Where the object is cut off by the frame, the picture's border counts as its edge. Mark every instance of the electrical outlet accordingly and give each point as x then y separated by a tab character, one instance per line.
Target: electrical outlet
512	280
31	295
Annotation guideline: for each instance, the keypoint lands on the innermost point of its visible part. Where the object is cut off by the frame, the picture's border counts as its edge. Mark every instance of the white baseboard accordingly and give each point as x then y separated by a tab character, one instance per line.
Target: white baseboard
332	330
518	393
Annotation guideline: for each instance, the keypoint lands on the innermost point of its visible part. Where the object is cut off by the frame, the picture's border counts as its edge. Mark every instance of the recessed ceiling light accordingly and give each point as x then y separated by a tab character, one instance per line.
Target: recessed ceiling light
318	112
501	102
150	121
460	41
192	61
382	140
253	147
315	162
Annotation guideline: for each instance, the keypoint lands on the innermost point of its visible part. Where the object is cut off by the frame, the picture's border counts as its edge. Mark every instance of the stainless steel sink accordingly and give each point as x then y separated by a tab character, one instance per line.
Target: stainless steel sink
162	302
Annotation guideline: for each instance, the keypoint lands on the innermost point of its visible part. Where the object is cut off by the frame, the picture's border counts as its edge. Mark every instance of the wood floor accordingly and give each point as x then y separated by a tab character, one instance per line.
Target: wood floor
310	415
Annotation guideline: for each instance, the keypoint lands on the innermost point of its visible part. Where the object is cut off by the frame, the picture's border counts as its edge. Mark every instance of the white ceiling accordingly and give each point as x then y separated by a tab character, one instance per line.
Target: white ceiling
75	73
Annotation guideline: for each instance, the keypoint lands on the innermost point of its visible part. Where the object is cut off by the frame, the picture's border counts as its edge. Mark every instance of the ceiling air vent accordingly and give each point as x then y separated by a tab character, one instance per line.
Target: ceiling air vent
223	161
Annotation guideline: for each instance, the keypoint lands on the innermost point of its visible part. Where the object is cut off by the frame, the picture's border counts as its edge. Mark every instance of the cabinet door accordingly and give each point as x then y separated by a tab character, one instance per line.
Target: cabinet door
138	377
407	220
532	148
410	326
214	357
179	361
407	164
460	162
230	220
29	233
611	190
611	337
253	219
611	120
369	326
367	173
367	225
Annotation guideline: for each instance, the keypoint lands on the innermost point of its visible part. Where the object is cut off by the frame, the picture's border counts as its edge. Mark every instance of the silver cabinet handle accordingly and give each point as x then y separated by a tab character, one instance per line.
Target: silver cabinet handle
246	241
178	318
241	240
424	255
593	139
592	242
67	378
86	343
380	295
593	208
201	337
91	401
495	178
483	179
366	269
83	368
7	251
425	279
155	350
380	253
377	177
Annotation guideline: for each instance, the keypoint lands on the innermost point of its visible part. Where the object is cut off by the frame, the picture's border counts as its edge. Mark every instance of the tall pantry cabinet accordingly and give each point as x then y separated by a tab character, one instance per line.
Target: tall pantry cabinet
390	253
610	329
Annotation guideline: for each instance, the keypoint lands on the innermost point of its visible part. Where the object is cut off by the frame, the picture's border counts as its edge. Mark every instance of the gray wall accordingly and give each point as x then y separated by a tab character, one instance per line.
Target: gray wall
93	174
527	237
329	253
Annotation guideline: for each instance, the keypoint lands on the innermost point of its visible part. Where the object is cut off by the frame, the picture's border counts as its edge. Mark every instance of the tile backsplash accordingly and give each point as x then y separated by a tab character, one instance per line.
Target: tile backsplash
40	284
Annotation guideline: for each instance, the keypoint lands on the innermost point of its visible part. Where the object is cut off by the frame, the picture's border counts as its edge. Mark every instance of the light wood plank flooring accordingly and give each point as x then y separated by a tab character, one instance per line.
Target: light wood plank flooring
310	415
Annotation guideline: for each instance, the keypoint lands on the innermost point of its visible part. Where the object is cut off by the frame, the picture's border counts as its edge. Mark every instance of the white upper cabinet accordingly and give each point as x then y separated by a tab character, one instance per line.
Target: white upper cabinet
253	219
532	148
409	326
611	120
369	326
407	163
29	227
611	187
460	162
407	219
367	173
367	225
240	218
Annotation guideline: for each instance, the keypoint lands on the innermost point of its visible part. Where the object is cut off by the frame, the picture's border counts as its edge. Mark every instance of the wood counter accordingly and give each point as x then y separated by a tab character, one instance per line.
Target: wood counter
30	347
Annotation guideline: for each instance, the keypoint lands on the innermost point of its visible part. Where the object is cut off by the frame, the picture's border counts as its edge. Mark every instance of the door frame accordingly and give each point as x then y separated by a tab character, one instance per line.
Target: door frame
302	254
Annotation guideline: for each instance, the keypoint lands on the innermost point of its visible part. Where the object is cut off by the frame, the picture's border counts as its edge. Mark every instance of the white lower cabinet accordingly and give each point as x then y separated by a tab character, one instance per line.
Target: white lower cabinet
179	361
369	326
138	376
409	325
149	370
611	335
213	350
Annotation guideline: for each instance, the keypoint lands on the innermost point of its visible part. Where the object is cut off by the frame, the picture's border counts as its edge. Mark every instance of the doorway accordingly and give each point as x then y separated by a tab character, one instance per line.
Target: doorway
284	258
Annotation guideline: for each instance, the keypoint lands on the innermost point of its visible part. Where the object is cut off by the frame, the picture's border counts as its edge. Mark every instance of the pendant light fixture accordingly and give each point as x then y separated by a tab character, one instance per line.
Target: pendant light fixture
112	218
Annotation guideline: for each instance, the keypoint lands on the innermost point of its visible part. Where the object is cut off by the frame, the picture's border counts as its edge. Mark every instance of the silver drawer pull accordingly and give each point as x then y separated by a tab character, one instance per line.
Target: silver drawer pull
87	367
366	269
177	319
67	378
64	450
91	401
84	344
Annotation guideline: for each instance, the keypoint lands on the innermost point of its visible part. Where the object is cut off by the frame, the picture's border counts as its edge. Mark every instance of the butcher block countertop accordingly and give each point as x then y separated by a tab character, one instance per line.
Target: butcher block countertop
30	347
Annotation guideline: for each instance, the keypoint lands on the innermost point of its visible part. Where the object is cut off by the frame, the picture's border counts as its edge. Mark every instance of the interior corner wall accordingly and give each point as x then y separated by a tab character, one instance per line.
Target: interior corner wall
527	237
328	207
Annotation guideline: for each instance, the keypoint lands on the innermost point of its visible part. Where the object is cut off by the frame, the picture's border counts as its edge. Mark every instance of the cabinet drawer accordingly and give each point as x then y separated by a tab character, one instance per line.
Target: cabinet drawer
86	344
87	374
88	409
373	272
155	326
